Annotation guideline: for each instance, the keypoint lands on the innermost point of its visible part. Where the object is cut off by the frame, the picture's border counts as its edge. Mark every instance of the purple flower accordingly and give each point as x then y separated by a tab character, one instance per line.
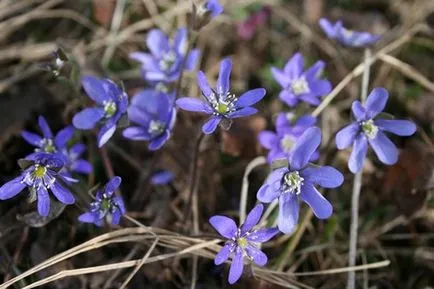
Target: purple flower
155	114
221	103
345	36
74	162
162	178
281	142
299	85
106	205
48	143
111	105
242	242
164	62
40	175
367	129
214	7
298	181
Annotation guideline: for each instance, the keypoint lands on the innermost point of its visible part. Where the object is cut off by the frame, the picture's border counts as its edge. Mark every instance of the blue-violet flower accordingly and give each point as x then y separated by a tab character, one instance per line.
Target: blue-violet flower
242	242
298	180
164	62
41	175
155	114
288	130
299	85
162	178
345	36
106	206
111	105
74	162
221	103
369	129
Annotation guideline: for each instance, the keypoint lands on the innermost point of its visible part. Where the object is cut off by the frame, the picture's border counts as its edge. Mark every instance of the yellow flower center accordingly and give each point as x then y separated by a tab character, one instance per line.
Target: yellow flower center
39	171
222	108
242	242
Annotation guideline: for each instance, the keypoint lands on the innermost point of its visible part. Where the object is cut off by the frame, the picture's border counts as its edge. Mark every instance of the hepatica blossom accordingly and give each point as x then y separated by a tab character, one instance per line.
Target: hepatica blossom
298	180
299	85
287	132
162	178
74	162
40	176
48	143
369	129
154	114
242	242
164	62
220	103
111	105
345	36
107	206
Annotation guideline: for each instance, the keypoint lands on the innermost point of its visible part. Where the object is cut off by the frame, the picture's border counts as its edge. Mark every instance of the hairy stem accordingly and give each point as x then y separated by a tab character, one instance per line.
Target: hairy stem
357	185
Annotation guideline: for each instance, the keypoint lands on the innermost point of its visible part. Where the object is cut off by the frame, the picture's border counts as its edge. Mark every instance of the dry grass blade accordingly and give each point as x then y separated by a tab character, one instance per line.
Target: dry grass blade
408	71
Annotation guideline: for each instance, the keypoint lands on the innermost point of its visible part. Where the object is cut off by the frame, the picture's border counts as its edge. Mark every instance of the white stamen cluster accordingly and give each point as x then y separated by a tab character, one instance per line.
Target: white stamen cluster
369	128
300	86
156	127
293	182
47	146
109	108
167	60
223	106
286	143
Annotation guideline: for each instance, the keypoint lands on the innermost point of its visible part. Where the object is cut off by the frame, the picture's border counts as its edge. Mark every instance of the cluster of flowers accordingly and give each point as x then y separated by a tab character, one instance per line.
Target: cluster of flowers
153	112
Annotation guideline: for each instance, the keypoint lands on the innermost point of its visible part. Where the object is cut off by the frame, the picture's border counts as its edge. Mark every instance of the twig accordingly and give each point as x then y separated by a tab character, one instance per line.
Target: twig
107	163
256	162
408	71
114	28
357	185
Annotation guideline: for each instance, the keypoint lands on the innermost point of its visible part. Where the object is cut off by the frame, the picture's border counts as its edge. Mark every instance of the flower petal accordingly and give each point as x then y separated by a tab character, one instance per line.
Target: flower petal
398	127
288	98
328	28
315	70
224	226
224	253
157	42
180	41
202	81
267	194
87	118
268	139
257	255
384	148
116	217
94	88
262	235
191	61
224	76
159	141
320	206
346	136
31	138
12	188
87	218
305	146
146	59
119	202
63	136
210	126
113	184
43	201
376	101
237	266
280	77
136	133
357	158
162	178
359	111
243	112
193	104
288	213
250	97
105	133
252	218
294	66
320	87
44	127
81	166
62	194
327	177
